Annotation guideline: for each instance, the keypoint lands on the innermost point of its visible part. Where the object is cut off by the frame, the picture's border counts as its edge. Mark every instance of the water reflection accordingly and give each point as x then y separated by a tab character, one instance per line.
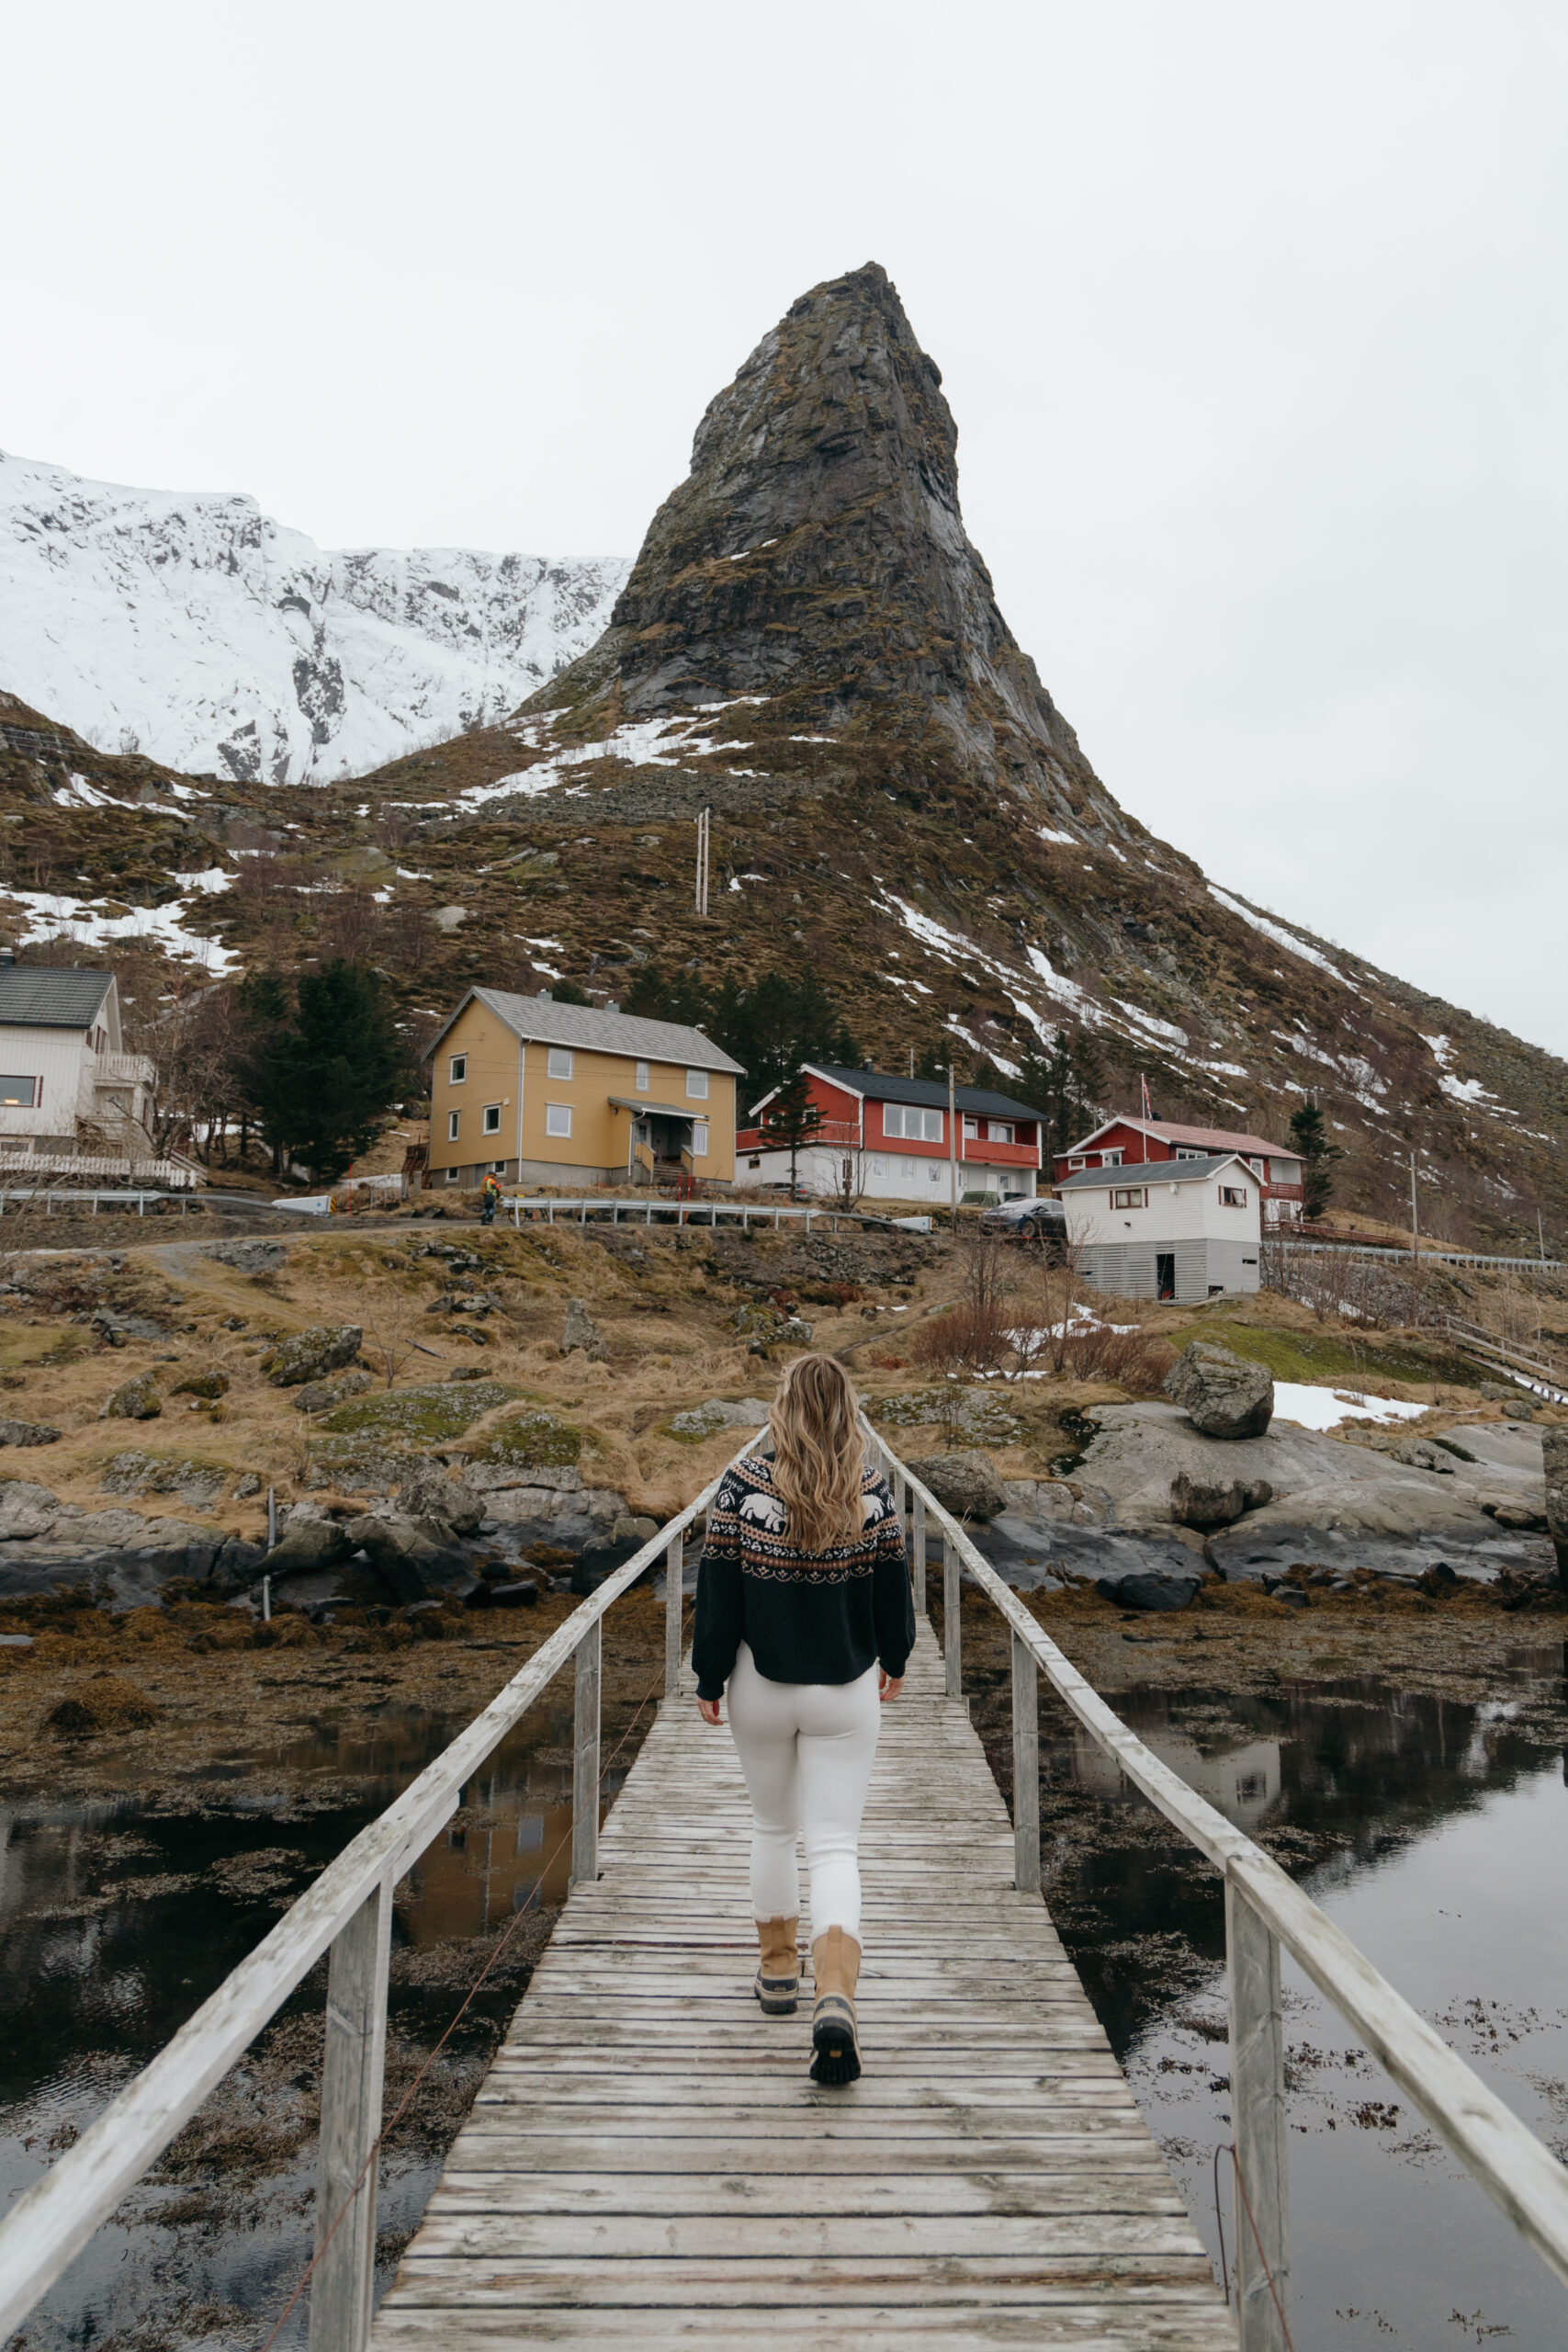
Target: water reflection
1432	1829
118	1918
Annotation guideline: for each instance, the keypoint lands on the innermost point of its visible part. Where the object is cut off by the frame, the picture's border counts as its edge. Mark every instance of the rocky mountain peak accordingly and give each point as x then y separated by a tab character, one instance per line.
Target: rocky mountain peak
816	557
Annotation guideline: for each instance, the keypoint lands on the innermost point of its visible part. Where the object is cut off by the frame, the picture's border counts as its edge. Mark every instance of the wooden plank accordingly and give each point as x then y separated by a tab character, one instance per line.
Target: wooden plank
648	2155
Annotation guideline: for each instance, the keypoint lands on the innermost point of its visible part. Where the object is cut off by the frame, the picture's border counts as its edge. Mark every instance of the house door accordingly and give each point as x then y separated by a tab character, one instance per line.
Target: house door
1165	1273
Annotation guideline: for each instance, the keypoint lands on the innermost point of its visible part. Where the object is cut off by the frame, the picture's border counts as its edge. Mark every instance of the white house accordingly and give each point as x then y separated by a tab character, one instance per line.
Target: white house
1167	1229
72	1100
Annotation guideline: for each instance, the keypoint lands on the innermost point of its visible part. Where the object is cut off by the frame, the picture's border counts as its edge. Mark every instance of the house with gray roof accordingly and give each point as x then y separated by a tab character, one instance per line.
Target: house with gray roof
73	1102
1184	1229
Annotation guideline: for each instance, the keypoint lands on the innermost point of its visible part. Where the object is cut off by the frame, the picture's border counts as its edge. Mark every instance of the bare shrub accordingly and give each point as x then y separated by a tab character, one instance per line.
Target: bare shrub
1134	1361
1374	1292
966	1339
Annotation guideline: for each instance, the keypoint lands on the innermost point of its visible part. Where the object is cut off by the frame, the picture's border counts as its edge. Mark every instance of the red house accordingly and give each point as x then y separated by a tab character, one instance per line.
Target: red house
896	1131
1131	1143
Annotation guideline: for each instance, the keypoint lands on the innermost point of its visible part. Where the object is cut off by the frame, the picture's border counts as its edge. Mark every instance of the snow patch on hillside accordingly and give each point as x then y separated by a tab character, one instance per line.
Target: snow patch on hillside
193	628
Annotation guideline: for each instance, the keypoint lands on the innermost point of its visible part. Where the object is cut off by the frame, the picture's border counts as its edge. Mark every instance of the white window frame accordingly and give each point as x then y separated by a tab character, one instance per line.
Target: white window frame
699	1139
1111	1159
640	1078
1075	1165
696	1086
878	1164
1232	1196
908	1167
454	1125
457	1071
1130	1196
453	1174
498	1167
1186	1151
555	1113
559	1061
490	1122
35	1094
1001	1131
971	1129
926	1125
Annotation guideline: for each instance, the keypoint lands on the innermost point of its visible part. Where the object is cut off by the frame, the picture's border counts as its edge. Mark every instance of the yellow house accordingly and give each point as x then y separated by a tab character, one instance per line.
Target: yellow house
552	1093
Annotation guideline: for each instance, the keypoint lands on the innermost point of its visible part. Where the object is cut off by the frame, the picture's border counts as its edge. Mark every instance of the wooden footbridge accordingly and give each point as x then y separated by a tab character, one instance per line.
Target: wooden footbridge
647	2161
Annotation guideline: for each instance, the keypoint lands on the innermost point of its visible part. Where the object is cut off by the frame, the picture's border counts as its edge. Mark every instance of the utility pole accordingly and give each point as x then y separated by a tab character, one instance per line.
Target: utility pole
1414	1224
701	894
1541	1236
952	1149
911	1061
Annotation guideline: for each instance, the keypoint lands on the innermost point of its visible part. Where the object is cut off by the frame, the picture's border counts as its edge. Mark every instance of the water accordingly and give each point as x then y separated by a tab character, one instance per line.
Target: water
118	1919
1435	1833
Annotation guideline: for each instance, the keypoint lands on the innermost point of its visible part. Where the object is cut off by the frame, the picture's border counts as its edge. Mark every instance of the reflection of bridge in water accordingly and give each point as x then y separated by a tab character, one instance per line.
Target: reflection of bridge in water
648	2160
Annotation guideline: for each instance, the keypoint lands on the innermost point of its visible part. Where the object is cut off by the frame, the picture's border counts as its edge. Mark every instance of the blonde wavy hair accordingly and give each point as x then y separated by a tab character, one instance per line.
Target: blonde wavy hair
818	1452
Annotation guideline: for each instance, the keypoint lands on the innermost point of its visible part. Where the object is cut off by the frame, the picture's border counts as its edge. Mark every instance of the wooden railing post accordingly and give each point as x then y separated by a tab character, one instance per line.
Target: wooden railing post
1258	2122
952	1632
1025	1768
918	1554
674	1582
352	2068
585	1759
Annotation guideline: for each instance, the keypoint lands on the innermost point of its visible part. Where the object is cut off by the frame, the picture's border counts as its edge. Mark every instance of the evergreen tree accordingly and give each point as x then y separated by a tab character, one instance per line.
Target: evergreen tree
657	996
569	992
1065	1083
783	1020
1309	1133
323	1074
791	1120
932	1063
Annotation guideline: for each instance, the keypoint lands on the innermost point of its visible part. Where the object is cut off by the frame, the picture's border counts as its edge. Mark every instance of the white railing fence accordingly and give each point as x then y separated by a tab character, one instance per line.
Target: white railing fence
347	1914
1264	1910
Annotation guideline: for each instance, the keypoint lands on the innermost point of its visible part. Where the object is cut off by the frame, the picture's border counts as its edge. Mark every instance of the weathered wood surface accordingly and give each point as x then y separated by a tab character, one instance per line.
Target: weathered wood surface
649	2160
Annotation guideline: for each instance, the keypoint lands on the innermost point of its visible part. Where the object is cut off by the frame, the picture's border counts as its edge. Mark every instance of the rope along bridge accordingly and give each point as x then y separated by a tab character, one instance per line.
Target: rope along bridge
648	2159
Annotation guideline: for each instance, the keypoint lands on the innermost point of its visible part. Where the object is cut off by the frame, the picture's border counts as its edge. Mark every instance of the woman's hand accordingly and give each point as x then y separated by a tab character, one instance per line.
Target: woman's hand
888	1686
708	1710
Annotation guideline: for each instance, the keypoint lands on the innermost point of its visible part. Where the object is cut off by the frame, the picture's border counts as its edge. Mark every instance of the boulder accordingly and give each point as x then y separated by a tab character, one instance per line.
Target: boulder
581	1331
597	1561
1554	1457
311	1355
965	1484
1148	1589
27	1433
633	1529
1216	1503
1420	1453
403	1551
249	1256
430	1493
321	1395
134	1400
207	1386
1222	1394
200	1483
306	1546
26	1511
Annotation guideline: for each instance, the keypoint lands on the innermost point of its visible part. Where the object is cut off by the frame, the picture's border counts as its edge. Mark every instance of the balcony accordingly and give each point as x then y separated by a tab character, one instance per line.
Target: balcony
123	1070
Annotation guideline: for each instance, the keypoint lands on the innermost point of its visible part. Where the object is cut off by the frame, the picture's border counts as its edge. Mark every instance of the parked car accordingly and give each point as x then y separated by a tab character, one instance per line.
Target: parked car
1039	1220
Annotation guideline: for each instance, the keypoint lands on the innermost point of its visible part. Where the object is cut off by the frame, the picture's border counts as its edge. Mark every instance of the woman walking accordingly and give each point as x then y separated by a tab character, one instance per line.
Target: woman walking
804	1609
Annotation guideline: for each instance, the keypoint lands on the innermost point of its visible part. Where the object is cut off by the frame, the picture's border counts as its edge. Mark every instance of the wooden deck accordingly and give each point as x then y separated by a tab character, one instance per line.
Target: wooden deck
649	2162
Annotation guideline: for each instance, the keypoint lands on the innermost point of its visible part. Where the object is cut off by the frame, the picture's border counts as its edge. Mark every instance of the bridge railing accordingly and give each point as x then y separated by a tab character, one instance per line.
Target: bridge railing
1265	1910
347	1913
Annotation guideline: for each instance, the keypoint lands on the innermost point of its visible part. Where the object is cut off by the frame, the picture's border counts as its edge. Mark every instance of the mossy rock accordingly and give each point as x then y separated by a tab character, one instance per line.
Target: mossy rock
427	1416
971	1411
107	1702
525	1440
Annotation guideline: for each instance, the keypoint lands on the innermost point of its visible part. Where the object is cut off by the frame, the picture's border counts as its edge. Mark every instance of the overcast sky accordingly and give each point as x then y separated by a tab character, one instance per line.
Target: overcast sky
1252	319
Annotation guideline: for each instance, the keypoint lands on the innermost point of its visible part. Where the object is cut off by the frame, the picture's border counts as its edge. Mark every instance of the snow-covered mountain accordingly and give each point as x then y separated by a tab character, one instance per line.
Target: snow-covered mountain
191	626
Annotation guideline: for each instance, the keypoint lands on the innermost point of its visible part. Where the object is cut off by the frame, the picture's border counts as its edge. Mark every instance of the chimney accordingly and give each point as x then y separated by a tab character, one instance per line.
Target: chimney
545	997
8	957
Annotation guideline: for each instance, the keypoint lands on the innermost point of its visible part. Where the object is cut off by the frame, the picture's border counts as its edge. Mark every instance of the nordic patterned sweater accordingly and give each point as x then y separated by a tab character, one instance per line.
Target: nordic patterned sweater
807	1616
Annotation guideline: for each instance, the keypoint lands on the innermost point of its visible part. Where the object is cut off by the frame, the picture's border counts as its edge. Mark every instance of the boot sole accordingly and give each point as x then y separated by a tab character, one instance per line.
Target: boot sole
835	2044
777	1997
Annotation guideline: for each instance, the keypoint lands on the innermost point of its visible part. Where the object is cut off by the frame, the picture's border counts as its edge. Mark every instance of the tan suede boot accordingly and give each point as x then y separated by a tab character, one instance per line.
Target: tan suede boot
778	1977
835	1960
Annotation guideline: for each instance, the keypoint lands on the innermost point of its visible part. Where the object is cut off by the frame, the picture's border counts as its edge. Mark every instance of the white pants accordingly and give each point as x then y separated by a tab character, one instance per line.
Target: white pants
807	1751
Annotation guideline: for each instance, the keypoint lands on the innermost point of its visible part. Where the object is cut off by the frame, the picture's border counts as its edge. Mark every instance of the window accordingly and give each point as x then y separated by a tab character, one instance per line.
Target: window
904	1119
453	1174
1111	1160
1075	1163
1132	1196
559	1061
754	1163
1256	1166
1232	1196
934	1172
19	1094
970	1130
878	1168
699	1139
907	1167
498	1167
458	1070
1186	1152
640	1082
1000	1130
698	1085
454	1121
557	1118
492	1119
